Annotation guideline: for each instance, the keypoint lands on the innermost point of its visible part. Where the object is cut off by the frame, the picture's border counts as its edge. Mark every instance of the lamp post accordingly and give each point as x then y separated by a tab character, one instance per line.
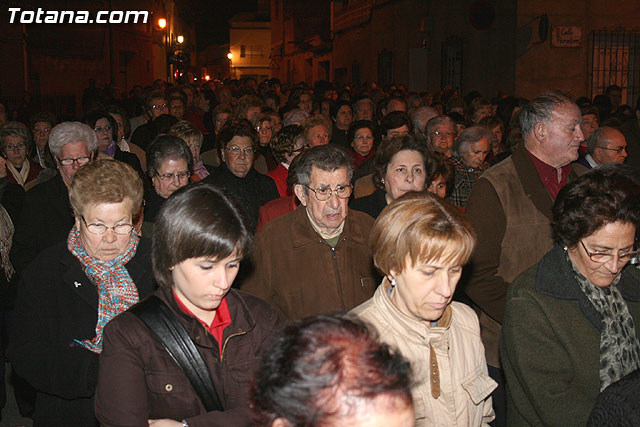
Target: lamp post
230	57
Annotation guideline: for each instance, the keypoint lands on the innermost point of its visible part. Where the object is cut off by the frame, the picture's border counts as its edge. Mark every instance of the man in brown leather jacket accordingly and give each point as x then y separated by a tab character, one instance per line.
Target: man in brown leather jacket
316	259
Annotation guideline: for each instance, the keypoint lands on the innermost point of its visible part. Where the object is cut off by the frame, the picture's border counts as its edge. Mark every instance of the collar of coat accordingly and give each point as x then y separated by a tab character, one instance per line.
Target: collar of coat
242	321
555	278
302	232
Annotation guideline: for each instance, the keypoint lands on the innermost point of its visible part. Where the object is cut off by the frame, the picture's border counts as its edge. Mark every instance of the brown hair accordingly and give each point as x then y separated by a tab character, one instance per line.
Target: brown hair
105	181
420	227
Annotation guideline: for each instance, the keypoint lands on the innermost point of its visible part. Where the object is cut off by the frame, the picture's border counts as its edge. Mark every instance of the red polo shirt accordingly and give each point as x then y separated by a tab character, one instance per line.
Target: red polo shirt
549	175
221	320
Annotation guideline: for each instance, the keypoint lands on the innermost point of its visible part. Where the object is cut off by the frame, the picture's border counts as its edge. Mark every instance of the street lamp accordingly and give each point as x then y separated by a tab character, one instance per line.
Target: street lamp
230	55
180	39
162	23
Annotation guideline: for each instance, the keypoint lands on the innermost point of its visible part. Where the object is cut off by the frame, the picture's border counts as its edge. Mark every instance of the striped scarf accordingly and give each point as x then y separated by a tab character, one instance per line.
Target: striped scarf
116	290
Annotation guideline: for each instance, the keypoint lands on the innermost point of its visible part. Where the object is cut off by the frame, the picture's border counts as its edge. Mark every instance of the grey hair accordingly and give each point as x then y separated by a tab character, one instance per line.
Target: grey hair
363	101
421	116
325	157
471	135
540	108
295	117
437	121
67	132
15	129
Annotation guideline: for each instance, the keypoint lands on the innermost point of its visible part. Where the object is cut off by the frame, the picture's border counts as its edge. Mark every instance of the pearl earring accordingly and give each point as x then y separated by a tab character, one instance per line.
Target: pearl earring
393	282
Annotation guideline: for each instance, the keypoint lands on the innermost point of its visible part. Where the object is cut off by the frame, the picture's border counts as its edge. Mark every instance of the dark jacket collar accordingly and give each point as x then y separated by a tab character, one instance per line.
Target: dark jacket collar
242	320
555	278
302	232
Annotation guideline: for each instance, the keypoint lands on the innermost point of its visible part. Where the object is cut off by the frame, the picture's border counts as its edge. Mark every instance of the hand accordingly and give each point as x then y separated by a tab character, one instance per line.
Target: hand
165	422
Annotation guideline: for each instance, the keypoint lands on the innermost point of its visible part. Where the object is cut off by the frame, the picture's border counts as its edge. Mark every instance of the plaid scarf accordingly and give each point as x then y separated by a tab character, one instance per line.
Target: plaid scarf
116	290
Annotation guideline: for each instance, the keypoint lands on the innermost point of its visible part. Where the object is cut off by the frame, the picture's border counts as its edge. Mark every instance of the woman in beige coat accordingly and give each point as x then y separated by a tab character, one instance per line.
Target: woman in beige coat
420	243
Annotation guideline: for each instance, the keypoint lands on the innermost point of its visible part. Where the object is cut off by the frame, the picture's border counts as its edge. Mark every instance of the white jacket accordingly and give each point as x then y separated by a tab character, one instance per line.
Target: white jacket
456	390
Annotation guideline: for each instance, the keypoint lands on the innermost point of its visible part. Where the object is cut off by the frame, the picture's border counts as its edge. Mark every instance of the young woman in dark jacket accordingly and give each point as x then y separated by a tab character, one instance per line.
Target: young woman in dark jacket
200	238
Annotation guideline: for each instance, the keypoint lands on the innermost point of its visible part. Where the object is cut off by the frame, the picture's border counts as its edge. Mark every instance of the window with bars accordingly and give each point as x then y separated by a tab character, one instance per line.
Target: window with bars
451	63
614	59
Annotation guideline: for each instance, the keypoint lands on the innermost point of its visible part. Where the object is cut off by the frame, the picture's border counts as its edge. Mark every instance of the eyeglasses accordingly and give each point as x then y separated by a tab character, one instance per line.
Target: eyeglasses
301	149
107	128
324	193
617	149
158	107
81	161
443	134
121	229
235	150
18	147
39	131
171	176
264	128
602	257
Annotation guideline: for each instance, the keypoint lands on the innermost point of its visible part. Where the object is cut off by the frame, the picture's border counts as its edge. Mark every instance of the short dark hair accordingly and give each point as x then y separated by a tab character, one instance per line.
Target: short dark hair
391	147
336	106
438	165
43	116
198	220
319	368
394	120
361	124
606	194
242	127
325	157
165	147
154	94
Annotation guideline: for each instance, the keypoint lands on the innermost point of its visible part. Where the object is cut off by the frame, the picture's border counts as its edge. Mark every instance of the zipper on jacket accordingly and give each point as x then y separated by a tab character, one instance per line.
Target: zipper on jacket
224	346
335	269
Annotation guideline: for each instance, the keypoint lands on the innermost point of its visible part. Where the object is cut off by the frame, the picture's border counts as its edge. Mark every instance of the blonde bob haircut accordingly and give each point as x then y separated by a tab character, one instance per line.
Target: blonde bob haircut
105	181
420	227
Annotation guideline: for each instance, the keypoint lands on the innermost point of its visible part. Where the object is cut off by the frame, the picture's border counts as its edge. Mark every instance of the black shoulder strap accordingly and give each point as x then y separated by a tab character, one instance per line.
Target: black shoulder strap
174	338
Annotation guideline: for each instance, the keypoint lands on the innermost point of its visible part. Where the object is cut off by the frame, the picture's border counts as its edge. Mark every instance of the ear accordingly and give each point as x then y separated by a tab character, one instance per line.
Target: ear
223	155
77	223
300	194
540	131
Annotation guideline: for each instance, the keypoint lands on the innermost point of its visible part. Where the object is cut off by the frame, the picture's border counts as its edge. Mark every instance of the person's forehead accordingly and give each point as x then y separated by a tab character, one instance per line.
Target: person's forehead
176	101
240	141
156	101
319	128
74	147
41	125
344	108
323	177
444	125
615	138
403	128
566	113
171	165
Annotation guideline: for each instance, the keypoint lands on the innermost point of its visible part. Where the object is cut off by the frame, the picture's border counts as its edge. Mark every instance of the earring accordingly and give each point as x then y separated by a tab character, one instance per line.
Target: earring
393	283
565	248
382	180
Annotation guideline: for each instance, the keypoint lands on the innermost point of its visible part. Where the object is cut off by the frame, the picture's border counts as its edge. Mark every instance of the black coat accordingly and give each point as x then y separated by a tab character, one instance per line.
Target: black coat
371	204
45	220
253	191
56	304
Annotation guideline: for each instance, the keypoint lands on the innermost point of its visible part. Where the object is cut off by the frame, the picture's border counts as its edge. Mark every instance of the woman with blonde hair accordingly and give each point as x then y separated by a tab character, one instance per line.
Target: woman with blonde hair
420	243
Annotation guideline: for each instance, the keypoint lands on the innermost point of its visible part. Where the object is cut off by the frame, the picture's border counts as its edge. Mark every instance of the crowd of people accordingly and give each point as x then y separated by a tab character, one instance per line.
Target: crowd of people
241	253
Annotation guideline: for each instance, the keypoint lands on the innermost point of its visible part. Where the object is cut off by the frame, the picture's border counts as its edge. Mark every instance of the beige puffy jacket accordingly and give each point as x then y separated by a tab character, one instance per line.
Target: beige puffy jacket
451	383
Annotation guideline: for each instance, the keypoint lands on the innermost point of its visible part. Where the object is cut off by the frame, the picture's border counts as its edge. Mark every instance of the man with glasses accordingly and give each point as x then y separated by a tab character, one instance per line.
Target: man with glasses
46	216
238	145
605	145
316	259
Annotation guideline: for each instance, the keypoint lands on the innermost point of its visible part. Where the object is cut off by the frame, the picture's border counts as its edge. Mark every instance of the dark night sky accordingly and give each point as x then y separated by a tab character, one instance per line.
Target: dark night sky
210	18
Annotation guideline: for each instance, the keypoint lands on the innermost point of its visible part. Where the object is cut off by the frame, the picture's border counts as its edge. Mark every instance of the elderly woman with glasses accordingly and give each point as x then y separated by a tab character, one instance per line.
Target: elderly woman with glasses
74	288
238	145
169	164
571	321
15	144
